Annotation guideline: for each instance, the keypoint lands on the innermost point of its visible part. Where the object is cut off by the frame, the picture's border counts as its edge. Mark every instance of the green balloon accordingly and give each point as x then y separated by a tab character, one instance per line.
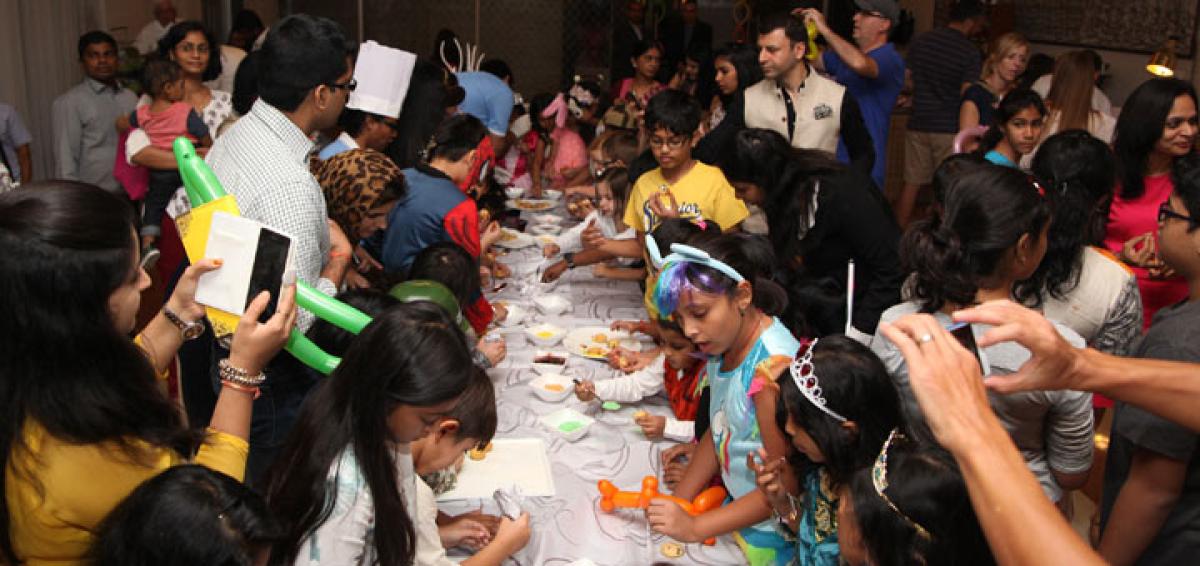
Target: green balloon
434	292
203	187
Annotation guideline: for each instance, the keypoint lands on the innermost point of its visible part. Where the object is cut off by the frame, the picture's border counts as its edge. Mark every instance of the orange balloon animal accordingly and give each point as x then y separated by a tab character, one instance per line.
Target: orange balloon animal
611	498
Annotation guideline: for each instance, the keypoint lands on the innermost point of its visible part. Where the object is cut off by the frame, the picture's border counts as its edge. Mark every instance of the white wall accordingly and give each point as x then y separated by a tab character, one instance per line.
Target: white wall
1126	70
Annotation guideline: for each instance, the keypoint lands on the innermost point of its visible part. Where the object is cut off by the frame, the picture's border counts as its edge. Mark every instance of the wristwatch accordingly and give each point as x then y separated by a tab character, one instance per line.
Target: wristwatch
190	330
569	257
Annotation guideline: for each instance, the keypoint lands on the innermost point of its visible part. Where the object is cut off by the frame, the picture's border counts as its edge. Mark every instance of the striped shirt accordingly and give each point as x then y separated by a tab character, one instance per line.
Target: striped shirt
263	162
941	61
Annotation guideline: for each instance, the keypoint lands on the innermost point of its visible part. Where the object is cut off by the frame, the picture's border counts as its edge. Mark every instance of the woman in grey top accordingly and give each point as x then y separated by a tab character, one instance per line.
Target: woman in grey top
990	235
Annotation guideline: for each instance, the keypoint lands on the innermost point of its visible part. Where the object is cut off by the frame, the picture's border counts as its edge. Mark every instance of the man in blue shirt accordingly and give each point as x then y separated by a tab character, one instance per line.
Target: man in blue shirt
870	68
489	99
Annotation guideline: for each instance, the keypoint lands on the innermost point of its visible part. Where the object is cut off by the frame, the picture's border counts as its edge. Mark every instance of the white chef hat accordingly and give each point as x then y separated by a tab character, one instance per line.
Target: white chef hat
383	74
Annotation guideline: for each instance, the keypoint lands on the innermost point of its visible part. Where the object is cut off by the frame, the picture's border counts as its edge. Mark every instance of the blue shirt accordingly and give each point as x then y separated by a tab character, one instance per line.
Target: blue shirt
999	159
488	99
876	97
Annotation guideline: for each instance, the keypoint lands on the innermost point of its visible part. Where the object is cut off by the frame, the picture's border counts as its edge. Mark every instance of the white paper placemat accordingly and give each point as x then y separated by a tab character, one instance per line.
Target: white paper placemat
520	462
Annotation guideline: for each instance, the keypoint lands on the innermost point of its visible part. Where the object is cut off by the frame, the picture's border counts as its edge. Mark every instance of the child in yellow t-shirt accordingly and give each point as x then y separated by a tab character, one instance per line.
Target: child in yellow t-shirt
680	186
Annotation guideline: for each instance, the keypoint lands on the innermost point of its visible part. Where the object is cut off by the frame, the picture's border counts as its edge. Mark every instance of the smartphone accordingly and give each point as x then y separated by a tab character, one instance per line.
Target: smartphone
270	261
962	332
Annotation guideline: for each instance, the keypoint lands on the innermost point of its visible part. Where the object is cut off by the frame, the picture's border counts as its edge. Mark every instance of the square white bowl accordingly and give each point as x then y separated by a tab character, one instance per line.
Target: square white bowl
543	368
514	192
545	229
539	386
516	314
552	305
555	420
545	335
545	218
552	194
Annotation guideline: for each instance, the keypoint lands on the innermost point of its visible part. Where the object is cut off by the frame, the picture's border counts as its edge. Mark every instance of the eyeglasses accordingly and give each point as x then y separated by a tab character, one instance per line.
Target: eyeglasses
873	13
669	143
1166	213
349	85
393	124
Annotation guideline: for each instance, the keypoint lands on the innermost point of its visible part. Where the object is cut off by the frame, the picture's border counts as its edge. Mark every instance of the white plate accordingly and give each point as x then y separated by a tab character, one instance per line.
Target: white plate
519	462
518	239
530	204
578	341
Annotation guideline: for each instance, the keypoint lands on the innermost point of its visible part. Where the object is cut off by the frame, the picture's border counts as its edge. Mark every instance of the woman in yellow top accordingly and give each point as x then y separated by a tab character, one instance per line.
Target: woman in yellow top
84	419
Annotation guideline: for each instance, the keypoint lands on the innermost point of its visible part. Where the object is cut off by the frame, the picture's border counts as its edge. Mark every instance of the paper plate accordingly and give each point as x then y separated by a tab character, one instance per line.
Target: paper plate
514	240
583	342
530	204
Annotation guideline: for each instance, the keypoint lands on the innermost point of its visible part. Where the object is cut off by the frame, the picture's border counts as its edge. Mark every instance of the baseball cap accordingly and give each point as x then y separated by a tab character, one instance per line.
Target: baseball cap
887	8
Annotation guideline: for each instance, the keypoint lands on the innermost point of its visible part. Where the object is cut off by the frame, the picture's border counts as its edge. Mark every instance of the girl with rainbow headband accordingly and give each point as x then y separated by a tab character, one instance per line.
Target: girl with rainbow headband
719	295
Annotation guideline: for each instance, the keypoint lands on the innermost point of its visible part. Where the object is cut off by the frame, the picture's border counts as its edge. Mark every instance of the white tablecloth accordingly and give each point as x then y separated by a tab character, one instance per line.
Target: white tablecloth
571	526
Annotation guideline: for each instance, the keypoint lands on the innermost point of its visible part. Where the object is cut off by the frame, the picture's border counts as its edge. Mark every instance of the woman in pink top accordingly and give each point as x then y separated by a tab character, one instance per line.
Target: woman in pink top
1157	125
639	89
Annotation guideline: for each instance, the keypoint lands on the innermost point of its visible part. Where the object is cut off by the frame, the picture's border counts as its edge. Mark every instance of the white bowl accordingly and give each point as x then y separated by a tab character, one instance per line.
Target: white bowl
552	194
542	387
545	229
547	219
516	314
514	192
556	420
552	304
545	335
543	368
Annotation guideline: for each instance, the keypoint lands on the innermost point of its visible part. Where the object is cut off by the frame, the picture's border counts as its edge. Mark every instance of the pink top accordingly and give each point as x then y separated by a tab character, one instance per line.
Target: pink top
569	153
1129	219
626	86
163	127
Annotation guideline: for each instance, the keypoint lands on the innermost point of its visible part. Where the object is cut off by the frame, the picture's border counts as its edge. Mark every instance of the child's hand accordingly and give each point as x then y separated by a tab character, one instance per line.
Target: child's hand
489	235
769	478
499	312
485	276
621	359
652	425
553	272
551	250
667	517
601	271
682	452
501	271
591	237
1140	251
512	535
673	473
630	326
662	210
494	351
585	390
464	531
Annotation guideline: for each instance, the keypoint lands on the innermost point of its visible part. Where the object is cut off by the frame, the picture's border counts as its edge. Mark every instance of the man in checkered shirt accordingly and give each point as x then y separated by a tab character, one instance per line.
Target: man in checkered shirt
305	77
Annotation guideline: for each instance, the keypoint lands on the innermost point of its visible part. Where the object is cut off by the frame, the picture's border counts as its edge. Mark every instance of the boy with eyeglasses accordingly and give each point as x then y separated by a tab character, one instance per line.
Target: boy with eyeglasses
681	186
1151	502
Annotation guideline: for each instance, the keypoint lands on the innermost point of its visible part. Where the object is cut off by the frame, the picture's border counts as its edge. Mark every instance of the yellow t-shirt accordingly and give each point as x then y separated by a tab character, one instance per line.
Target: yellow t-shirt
63	490
702	192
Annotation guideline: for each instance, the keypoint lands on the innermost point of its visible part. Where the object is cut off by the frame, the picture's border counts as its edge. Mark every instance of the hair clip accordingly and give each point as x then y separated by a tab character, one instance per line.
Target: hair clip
687	254
805	377
879	480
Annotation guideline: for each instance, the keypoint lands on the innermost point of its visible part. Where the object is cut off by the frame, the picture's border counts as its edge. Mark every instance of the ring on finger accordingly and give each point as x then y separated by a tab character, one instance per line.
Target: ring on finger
925	338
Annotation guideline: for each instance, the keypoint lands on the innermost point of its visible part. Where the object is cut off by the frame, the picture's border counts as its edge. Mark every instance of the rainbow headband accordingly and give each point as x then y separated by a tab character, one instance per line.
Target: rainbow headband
673	277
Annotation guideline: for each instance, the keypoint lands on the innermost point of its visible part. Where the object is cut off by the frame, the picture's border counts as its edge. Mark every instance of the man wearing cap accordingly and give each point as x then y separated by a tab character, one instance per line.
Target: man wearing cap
870	68
371	117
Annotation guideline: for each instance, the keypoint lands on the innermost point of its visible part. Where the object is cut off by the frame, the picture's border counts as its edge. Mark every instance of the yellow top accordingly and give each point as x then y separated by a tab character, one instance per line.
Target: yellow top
701	193
54	517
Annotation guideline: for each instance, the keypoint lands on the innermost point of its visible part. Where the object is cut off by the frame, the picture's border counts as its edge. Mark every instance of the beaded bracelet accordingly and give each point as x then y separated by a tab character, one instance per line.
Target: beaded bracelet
238	375
253	391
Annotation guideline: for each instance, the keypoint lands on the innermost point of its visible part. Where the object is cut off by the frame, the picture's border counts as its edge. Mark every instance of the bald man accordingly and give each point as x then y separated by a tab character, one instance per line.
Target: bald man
164	18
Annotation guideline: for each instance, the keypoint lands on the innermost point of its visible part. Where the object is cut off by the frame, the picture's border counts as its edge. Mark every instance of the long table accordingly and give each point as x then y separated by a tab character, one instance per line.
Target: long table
570	526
